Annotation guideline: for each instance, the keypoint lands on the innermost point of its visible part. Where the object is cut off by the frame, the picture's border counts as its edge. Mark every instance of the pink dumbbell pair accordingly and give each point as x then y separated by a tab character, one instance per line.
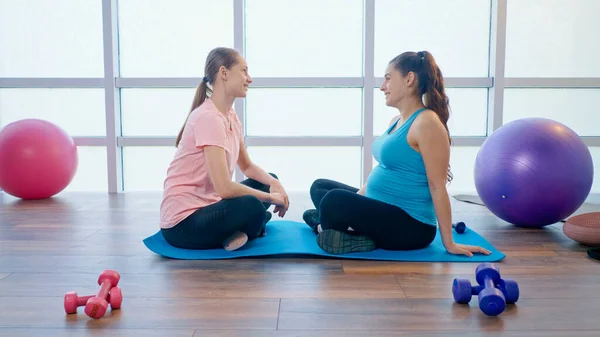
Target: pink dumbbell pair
97	305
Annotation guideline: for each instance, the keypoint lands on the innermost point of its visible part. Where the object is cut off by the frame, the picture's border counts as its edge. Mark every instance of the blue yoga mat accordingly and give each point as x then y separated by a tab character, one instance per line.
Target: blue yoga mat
295	238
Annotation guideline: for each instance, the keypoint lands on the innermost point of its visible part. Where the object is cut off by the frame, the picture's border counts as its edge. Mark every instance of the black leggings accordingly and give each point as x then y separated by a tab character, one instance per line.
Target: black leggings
389	226
209	226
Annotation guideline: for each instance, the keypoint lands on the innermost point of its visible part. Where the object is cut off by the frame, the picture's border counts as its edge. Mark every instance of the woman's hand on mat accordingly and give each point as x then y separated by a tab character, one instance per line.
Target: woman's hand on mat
460	249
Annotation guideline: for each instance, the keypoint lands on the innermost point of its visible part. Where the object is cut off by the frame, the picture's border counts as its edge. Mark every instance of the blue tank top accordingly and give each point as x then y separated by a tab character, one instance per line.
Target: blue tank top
400	177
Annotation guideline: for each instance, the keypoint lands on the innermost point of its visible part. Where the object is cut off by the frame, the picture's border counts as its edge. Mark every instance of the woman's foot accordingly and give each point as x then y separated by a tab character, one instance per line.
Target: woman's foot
263	230
268	217
236	241
336	242
311	217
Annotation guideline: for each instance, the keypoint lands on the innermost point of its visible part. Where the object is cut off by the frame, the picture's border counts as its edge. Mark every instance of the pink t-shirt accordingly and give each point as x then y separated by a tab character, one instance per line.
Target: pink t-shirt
187	186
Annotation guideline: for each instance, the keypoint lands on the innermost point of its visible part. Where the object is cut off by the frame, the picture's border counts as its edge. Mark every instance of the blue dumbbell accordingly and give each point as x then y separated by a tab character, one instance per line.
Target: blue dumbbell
459	227
493	292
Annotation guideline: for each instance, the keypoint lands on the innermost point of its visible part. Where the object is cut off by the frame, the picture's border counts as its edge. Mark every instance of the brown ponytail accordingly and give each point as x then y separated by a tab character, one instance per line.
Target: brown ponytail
433	89
217	58
430	84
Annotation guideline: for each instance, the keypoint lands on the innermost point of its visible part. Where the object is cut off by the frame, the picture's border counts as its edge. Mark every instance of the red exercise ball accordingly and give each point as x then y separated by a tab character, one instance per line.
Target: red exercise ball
38	159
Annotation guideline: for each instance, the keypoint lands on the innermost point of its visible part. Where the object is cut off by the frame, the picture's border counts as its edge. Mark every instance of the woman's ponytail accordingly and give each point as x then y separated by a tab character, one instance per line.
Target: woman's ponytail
432	87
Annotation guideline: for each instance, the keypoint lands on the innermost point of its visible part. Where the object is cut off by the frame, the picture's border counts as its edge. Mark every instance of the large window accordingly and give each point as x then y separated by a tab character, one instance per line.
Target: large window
576	108
80	112
462	164
145	167
308	38
57	38
304	112
316	65
154	111
159	38
298	166
552	38
456	32
92	172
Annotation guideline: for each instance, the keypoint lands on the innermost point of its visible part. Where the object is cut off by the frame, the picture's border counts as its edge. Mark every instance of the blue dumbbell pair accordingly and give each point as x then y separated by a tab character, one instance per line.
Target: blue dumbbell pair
493	291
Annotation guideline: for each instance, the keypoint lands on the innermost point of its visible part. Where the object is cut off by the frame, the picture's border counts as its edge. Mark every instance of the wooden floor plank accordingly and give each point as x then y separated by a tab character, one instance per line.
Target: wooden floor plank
154	264
145	313
530	286
47	234
73	247
378	333
522	250
92	332
575	263
435	314
28	332
116	236
206	284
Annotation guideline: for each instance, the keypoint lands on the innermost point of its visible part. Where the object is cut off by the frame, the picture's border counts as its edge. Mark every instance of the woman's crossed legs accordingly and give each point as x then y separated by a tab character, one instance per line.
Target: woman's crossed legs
351	222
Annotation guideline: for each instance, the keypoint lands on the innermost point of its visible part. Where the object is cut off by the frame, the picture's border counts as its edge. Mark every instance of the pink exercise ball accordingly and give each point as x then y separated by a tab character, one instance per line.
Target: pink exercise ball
38	159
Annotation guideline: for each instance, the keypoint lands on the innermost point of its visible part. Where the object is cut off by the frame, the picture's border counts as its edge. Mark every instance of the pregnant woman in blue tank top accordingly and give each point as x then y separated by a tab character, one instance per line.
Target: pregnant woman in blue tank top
405	197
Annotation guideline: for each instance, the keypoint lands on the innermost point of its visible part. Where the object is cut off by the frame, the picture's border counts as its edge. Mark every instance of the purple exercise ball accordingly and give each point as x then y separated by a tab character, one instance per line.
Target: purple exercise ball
533	172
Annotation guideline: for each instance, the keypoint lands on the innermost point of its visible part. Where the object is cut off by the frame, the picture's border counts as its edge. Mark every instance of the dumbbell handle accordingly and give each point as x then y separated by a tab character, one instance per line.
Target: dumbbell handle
487	282
82	300
104	289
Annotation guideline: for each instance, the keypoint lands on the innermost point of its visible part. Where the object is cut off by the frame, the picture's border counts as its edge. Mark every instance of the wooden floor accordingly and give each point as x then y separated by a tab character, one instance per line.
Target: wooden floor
50	247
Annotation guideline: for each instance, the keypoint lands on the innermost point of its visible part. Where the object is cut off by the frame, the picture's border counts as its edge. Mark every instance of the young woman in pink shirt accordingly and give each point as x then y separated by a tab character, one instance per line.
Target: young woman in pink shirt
202	207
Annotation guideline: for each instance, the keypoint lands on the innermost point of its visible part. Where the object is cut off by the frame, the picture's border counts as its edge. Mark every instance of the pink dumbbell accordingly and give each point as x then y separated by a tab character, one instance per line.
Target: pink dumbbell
96	306
72	301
